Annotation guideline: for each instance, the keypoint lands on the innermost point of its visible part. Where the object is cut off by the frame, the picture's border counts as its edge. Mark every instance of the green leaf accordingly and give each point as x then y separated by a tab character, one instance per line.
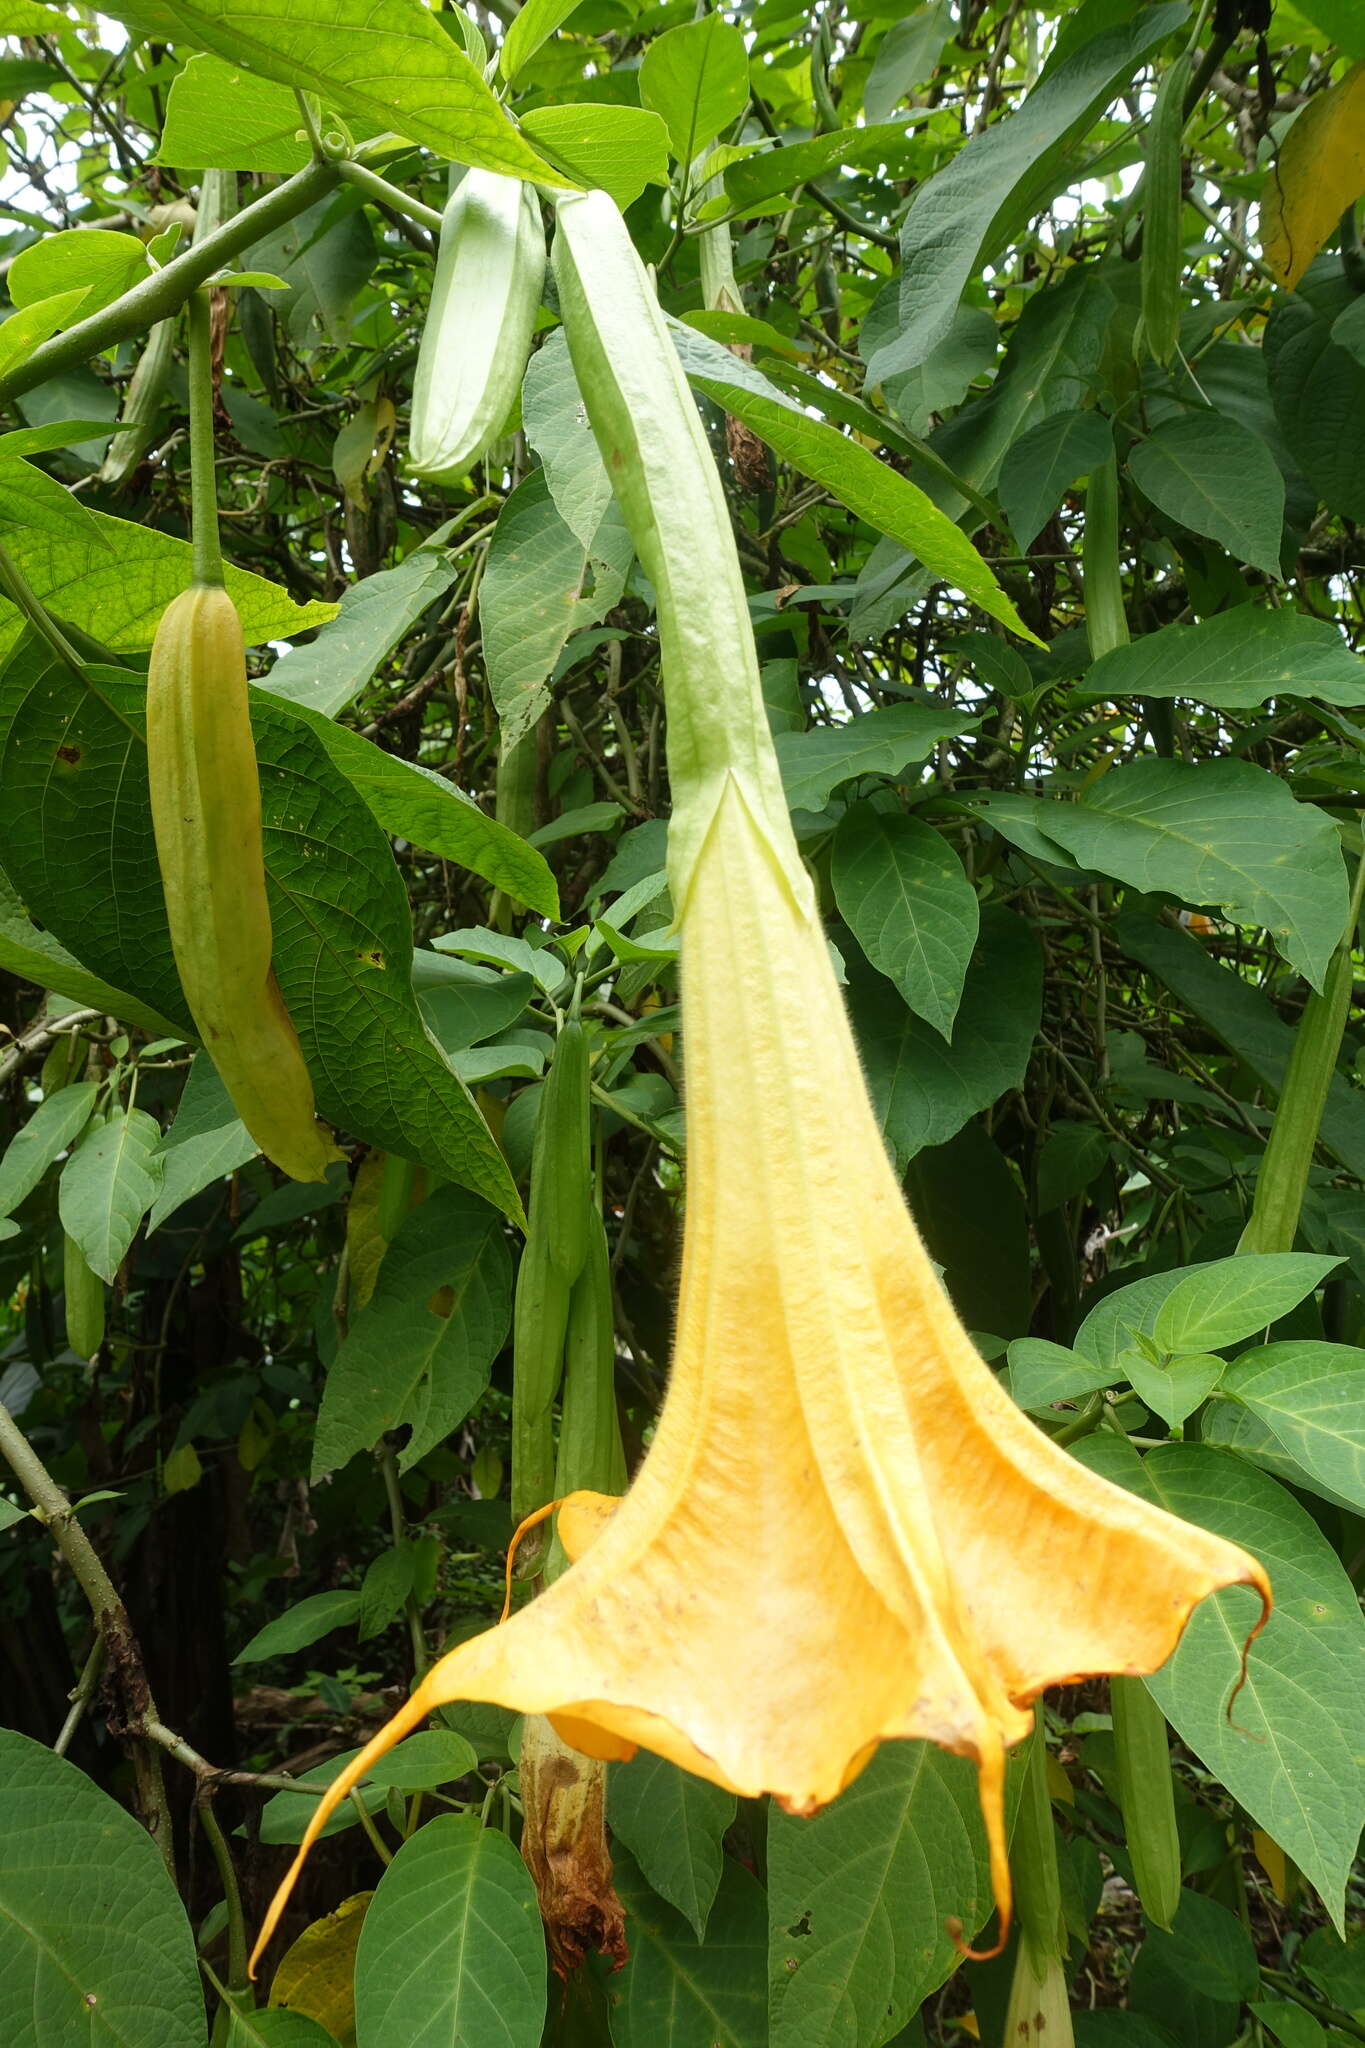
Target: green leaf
1313	1397
388	62
36	956
28	18
529	602
96	261
206	1142
889	502
464	1004
403	1363
906	57
56	1123
218	114
531	26
618	150
1235	660
114	578
324	255
1042	1373
556	424
882	742
452	1954
599	817
697	77
373	617
302	1625
1109	1329
1336	1967
1072	1156
923	1090
1041	467
22	332
383	1590
1318	388
905	898
1232	1299
676	1992
415	803
1339	21
1176	1389
1215	832
542	963
1291	2025
673	1825
1245	1021
859	1893
1194	1977
108	1185
970	207
422	1763
1230	1427
1054	361
75	763
768	182
1218	478
1293	1749
277	2028
94	1943
1111	2027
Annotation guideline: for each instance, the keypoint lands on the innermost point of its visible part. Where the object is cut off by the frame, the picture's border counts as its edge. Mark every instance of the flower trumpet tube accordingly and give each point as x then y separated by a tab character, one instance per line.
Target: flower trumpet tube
844	1532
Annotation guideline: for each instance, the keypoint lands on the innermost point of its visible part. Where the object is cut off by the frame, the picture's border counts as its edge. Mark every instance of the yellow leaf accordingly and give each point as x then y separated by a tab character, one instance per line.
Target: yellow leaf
1273	1862
1319	173
365	1247
182	1470
317	1975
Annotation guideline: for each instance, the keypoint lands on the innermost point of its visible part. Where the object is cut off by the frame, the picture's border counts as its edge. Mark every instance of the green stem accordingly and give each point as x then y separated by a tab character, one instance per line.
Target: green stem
157	297
232	1896
15	586
388	1466
385	194
1330	2015
1282	1178
208	554
377	1842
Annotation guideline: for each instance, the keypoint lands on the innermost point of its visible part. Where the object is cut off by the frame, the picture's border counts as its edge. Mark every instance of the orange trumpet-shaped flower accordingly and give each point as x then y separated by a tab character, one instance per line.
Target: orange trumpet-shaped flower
844	1531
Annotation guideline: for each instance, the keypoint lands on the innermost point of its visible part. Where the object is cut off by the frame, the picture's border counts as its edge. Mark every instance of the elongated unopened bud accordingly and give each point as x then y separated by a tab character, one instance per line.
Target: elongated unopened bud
141	405
1147	1798
490	270
206	812
83	1294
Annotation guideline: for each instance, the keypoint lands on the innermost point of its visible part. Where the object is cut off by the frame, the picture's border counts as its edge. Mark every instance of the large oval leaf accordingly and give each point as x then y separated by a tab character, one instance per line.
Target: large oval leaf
451	1954
94	1943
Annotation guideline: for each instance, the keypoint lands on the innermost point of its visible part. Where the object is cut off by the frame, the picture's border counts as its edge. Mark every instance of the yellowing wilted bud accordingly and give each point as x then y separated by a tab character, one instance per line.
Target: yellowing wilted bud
206	812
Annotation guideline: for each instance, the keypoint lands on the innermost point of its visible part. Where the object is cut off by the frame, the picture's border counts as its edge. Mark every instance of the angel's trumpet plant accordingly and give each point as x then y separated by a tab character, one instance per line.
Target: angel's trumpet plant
844	1531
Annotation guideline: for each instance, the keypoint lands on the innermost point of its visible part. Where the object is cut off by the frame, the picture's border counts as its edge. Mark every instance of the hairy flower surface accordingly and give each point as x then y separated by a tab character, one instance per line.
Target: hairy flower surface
844	1530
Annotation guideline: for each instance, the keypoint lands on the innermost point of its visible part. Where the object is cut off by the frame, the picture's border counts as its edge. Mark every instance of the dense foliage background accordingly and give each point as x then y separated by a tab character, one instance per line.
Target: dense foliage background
1082	889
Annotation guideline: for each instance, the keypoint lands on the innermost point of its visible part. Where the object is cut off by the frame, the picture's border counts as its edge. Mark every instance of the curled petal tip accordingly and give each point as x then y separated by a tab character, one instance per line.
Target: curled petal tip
952	1927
